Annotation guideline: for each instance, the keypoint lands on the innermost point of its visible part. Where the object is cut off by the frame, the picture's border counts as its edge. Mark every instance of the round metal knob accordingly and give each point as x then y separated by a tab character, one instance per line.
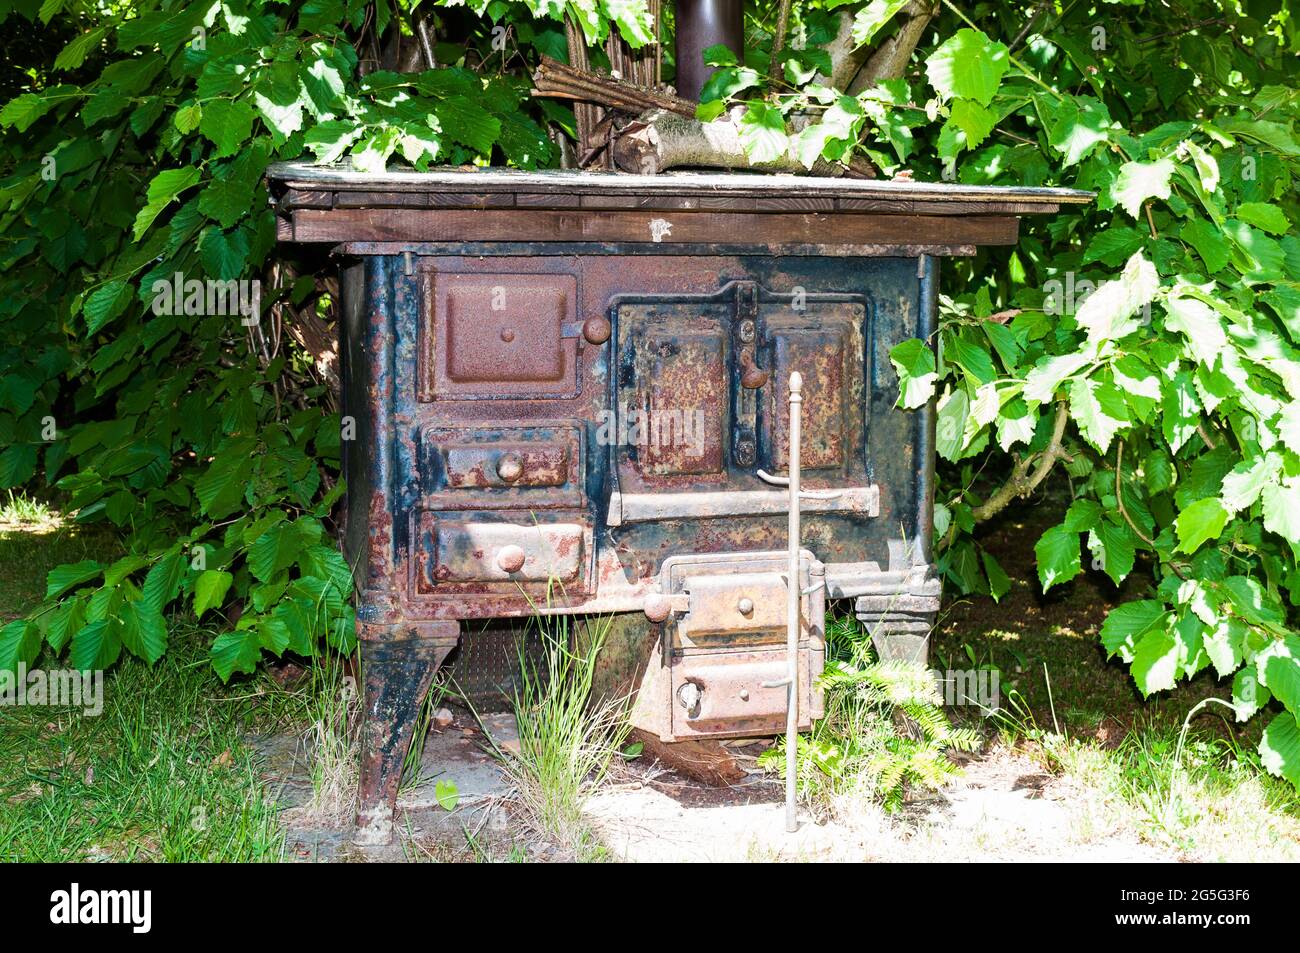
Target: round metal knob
596	330
510	468
510	558
657	607
745	606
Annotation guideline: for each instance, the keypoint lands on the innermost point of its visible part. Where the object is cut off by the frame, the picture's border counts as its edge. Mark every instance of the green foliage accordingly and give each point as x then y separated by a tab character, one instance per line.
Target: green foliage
885	729
1164	320
131	185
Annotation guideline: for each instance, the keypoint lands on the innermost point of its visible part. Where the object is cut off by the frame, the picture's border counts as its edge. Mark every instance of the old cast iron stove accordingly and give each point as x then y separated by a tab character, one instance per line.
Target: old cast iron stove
564	384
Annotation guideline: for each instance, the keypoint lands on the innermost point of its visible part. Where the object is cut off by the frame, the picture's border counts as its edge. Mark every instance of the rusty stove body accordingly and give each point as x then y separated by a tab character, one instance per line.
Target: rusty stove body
563	387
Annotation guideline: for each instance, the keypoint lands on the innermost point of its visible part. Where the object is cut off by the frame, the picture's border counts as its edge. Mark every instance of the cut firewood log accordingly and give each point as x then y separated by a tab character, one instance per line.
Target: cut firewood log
666	135
662	140
709	762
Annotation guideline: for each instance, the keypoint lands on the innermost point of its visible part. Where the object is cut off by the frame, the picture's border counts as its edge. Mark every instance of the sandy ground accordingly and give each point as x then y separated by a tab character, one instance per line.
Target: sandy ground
1006	808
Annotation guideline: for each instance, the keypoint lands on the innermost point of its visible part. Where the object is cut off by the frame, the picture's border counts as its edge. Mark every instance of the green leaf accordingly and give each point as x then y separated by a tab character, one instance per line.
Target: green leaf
224	253
1114	547
1203	520
24	110
868	21
1114	245
711	109
225	201
1262	215
914	361
1127	624
1199	323
17	464
725	83
1139	181
105	303
762	133
163	581
372	152
1279	670
1224	642
63	578
143	631
237	651
999	582
326	562
468	123
1208	242
1274	135
163	189
1248	695
1048	375
1099	411
1282	508
330	140
1207	168
974	121
1243	486
20	642
220	489
1077	126
969	66
228	123
210	590
1179	410
96	646
950	424
1109	313
1156	662
278	548
446	794
720	55
1279	748
186	119
1057	551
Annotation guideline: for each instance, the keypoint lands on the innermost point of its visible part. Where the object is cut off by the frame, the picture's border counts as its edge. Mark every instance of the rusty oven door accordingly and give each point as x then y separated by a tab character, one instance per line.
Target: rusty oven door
702	395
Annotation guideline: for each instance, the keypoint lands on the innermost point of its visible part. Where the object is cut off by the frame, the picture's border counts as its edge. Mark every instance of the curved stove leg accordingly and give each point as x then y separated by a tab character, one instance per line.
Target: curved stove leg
397	669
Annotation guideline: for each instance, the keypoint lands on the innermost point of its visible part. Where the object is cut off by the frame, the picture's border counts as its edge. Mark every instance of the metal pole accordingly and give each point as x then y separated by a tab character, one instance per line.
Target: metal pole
794	592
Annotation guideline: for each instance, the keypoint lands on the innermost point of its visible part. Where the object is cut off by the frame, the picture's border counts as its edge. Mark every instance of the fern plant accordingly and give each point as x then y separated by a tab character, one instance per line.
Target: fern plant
884	730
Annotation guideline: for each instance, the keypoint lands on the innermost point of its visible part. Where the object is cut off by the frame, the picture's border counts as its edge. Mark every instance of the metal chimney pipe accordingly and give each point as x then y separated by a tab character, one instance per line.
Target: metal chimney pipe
700	25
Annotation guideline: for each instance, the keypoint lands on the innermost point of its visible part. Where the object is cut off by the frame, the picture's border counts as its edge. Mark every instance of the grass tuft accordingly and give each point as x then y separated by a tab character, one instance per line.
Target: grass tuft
567	738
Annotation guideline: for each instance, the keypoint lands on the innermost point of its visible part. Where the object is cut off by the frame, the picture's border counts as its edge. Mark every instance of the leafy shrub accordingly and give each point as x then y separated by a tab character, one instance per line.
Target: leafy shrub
1145	345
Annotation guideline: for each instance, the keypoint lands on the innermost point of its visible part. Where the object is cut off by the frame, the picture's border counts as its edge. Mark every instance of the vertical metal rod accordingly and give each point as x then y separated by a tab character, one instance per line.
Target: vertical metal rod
794	593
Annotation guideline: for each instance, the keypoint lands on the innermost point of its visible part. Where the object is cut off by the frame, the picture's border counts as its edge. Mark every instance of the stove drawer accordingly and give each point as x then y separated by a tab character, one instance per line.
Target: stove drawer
731	694
498	553
539	466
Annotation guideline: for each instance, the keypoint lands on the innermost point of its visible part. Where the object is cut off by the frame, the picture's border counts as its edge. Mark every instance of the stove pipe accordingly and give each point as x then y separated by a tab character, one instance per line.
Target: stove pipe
700	25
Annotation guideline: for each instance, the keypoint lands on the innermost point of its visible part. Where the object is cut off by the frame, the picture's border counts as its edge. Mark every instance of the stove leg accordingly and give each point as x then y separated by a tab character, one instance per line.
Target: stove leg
397	669
898	635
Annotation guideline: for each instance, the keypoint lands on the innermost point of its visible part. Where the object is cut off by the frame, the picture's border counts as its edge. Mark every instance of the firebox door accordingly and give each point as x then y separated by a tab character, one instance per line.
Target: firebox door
701	386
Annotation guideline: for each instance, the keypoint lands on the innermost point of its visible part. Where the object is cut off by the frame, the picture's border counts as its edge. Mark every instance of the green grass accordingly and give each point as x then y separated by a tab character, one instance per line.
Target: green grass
163	773
567	739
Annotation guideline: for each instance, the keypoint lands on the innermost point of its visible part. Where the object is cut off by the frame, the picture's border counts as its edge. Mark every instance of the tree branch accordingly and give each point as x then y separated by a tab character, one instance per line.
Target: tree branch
890	59
778	40
1029	471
